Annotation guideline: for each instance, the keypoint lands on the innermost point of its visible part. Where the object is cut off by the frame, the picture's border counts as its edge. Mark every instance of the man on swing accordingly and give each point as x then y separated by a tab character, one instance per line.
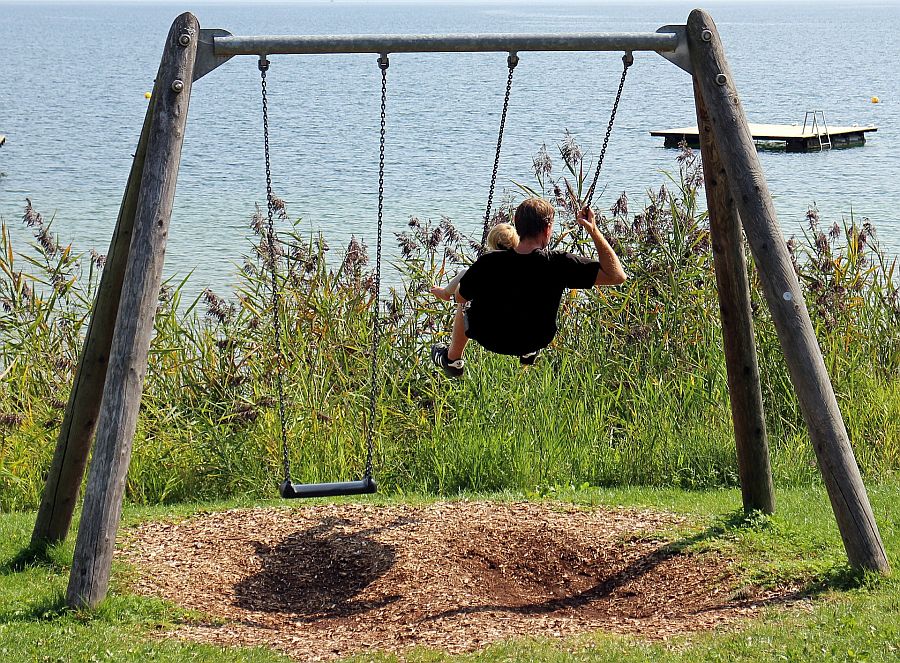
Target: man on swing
508	300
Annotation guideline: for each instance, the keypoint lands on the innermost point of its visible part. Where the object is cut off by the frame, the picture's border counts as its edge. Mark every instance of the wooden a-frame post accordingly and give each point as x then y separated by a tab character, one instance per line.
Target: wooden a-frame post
80	421
735	166
733	287
89	578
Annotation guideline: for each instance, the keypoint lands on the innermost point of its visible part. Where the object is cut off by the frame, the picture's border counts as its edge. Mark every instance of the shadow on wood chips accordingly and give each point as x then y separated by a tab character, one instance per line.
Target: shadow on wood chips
327	581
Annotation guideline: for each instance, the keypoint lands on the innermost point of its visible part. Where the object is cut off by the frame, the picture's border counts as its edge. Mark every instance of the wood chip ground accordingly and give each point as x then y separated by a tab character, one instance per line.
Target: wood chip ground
327	581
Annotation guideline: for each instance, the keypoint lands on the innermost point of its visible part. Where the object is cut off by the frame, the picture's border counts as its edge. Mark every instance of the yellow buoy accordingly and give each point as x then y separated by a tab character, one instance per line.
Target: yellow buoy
147	95
875	100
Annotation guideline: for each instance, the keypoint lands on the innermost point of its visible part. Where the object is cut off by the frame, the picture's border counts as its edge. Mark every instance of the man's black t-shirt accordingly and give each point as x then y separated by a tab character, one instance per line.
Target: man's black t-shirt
515	297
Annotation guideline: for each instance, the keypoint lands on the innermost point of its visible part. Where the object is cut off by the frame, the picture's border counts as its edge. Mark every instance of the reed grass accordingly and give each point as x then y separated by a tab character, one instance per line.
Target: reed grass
632	392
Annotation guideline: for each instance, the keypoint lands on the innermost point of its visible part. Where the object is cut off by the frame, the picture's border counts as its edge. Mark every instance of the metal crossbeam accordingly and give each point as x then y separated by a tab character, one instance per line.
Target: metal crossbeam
217	46
385	44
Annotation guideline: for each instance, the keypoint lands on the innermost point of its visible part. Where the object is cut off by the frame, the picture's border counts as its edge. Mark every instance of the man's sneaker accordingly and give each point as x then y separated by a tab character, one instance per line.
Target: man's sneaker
453	369
529	359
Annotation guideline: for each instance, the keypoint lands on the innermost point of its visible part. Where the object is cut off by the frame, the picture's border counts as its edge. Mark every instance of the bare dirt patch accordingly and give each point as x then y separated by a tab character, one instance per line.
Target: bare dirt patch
327	581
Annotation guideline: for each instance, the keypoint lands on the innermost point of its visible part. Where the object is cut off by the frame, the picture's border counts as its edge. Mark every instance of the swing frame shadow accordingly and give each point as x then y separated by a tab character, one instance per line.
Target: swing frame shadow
107	390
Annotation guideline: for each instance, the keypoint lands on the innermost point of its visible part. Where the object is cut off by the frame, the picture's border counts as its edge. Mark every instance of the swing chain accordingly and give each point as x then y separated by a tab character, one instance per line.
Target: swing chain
273	268
383	64
511	62
627	61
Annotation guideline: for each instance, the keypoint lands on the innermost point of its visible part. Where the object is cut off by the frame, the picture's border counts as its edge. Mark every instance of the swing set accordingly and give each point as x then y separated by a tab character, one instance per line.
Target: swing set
105	398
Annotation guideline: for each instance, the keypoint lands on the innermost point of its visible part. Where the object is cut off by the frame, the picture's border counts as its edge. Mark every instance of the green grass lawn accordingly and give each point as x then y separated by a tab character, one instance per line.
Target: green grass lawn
850	617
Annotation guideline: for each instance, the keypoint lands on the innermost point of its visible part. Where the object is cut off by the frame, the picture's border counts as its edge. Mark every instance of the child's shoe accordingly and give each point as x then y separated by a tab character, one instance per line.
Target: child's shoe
453	369
529	359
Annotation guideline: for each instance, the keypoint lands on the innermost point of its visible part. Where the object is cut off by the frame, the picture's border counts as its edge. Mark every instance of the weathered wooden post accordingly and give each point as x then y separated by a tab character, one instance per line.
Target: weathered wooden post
77	431
733	287
89	579
809	376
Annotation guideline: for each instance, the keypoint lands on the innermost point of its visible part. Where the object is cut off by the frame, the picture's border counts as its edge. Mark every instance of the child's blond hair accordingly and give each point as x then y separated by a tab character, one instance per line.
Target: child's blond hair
502	236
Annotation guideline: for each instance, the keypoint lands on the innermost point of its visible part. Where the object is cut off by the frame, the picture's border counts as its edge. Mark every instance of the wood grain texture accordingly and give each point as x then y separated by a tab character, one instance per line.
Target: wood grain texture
809	376
741	363
79	423
89	578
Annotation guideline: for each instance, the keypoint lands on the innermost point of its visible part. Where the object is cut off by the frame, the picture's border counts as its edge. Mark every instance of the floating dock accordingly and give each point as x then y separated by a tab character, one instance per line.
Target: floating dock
796	137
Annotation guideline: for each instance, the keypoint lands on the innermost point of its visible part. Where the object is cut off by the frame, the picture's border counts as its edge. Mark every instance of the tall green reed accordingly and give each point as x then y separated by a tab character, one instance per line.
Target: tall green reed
632	391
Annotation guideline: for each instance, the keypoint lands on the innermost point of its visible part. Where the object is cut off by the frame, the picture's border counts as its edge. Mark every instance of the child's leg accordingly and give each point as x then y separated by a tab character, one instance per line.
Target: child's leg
458	338
442	293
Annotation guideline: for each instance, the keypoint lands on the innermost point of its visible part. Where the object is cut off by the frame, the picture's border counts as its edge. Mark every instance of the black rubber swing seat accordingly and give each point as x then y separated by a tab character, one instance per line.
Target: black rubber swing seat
364	486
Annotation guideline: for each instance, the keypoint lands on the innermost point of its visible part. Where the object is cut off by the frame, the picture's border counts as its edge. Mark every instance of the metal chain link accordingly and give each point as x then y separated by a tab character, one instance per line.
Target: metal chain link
383	63
273	268
627	61
511	62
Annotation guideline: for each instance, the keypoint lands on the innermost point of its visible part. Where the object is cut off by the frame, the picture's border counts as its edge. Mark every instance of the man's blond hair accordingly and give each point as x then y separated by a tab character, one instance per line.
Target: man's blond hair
502	236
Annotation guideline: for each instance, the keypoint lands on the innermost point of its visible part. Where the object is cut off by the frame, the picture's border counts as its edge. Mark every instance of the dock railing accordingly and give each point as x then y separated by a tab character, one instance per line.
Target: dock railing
816	129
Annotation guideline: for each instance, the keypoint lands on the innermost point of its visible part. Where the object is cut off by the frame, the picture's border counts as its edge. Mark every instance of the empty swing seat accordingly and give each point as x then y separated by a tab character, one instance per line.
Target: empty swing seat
364	486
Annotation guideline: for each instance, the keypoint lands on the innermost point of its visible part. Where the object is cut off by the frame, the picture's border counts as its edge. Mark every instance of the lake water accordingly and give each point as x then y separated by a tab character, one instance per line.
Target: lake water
73	78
